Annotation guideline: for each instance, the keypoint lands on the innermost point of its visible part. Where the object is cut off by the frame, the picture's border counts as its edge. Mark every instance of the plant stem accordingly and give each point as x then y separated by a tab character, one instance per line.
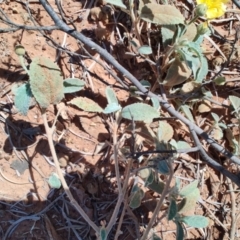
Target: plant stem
159	204
120	189
125	185
49	132
21	58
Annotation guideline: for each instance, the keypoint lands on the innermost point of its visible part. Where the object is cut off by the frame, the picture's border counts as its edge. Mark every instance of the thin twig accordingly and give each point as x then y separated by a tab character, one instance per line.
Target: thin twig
233	210
121	194
49	132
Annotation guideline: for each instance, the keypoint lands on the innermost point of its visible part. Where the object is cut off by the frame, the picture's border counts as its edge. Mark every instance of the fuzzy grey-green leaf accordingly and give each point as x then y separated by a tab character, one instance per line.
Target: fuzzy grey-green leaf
117	3
54	181
155	103
136	198
196	221
103	233
235	101
111	108
189	188
86	104
72	85
111	96
46	81
145	50
187	112
140	112
22	98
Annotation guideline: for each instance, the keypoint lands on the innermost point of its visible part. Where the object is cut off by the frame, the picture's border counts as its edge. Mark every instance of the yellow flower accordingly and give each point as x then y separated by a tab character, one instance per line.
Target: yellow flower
215	8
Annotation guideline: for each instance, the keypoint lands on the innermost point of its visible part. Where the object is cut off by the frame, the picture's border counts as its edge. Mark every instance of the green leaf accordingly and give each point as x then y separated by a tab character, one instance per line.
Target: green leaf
54	181
157	186
215	117
136	198
192	60
161	14
140	112
72	85
46	81
145	50
22	99
206	92
192	53
111	96
203	70
187	112
103	233
222	125
187	205
235	101
173	143
86	104
172	210
162	167
185	191
117	3
149	180
176	188
135	188
182	145
167	32
145	83
180	232
196	221
155	103
111	108
220	81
